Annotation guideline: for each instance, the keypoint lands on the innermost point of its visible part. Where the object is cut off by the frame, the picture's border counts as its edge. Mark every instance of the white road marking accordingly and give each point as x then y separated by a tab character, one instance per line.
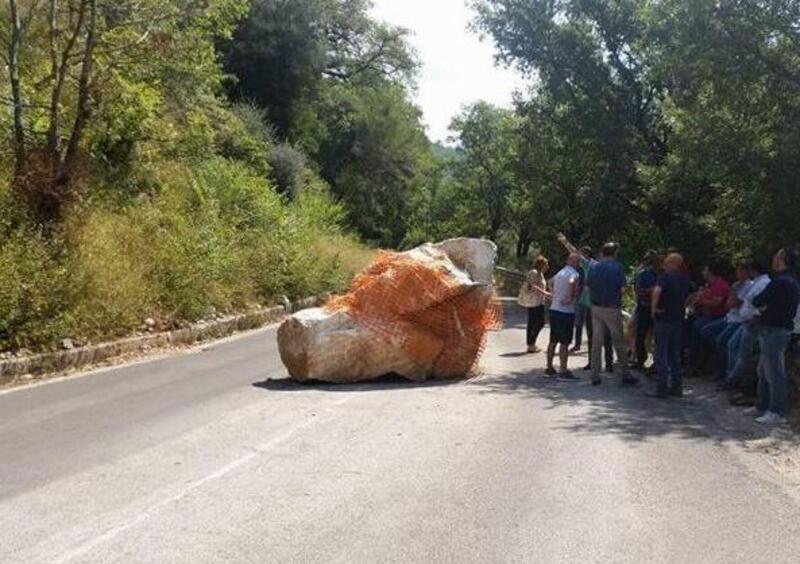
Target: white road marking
87	546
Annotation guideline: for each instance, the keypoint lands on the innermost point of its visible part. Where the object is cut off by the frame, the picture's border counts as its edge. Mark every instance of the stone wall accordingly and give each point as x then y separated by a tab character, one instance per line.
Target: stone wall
33	366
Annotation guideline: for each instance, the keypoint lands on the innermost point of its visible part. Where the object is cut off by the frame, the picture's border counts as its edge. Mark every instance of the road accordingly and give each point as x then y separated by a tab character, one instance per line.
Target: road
214	457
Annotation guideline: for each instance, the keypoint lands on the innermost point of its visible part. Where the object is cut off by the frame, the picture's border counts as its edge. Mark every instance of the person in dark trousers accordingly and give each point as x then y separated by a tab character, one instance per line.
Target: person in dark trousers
668	309
583	307
778	304
646	280
532	296
606	281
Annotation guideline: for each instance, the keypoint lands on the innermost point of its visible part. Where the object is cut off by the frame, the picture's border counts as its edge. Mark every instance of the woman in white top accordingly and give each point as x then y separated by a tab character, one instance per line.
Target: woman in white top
532	296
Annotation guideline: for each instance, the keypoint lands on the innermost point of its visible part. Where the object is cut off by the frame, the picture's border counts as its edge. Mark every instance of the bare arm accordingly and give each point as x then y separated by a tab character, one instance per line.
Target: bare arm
567	244
542	291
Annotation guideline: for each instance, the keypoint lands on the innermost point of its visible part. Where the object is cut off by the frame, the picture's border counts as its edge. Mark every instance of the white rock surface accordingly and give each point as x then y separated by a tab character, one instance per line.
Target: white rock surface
475	256
330	346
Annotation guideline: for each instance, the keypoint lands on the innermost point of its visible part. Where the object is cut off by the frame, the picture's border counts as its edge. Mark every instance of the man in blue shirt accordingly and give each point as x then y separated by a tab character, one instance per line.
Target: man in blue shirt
645	282
668	309
606	281
778	304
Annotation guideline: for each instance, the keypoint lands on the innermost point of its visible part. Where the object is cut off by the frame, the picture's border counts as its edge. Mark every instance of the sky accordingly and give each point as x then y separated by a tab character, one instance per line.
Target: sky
458	68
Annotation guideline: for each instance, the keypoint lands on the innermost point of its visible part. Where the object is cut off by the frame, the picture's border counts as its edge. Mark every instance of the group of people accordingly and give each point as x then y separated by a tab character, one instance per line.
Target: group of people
689	325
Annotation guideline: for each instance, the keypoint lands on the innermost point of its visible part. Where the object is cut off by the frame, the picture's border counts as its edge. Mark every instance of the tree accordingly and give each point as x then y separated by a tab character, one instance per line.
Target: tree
335	83
374	155
732	69
286	50
658	123
66	61
486	137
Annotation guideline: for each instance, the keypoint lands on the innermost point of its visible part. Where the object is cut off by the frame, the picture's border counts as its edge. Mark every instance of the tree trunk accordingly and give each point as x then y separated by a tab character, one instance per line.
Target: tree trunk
16	92
59	63
67	165
52	134
523	243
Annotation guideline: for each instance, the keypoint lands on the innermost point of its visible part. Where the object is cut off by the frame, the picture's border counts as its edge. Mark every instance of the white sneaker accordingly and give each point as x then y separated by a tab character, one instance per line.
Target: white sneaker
770	418
753	411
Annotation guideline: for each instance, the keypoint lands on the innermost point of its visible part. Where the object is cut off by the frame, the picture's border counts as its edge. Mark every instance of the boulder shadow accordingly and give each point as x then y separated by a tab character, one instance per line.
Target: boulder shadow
388	382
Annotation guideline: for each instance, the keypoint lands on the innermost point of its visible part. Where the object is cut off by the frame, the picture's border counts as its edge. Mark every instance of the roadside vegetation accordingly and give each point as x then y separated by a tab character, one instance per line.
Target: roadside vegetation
656	124
133	187
169	158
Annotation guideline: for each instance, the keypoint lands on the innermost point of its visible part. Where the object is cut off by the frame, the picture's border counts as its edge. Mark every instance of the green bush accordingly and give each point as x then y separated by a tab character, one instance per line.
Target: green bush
288	169
243	134
218	237
36	290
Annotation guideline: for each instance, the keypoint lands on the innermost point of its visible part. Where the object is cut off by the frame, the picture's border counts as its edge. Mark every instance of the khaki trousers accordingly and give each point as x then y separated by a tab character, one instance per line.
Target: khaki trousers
608	320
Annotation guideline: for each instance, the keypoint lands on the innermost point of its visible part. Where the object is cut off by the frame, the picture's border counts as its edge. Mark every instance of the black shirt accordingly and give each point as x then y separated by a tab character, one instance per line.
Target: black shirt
674	291
645	280
780	298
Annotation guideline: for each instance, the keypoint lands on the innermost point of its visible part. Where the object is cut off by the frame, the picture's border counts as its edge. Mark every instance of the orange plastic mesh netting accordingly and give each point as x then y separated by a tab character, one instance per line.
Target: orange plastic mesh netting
402	298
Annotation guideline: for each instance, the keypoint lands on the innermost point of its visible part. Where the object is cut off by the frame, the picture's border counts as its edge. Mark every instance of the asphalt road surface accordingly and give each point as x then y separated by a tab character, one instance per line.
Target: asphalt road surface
214	457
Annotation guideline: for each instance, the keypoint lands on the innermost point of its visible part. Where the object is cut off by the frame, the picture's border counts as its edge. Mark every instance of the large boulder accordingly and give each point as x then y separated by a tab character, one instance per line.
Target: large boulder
419	314
332	346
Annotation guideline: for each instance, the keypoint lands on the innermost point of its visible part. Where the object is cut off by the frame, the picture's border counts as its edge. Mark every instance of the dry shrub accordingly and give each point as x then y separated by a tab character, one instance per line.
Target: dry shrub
113	256
213	238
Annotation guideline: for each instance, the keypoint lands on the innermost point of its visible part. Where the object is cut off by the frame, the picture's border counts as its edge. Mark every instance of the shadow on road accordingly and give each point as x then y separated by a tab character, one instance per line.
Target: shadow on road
609	409
391	382
519	354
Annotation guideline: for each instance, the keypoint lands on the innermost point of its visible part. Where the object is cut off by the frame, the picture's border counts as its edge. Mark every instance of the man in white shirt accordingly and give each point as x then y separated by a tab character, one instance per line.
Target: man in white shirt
562	317
740	346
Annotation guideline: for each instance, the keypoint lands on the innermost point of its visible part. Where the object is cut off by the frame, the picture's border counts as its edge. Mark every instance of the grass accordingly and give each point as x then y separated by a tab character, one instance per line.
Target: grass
215	238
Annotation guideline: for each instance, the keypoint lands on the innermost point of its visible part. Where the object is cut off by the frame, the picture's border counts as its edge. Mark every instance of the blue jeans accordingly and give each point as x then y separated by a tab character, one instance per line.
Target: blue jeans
724	338
772	383
740	351
710	331
719	333
668	356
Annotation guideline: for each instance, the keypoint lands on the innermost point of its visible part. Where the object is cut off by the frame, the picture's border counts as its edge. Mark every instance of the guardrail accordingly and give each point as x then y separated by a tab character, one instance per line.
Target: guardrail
508	281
